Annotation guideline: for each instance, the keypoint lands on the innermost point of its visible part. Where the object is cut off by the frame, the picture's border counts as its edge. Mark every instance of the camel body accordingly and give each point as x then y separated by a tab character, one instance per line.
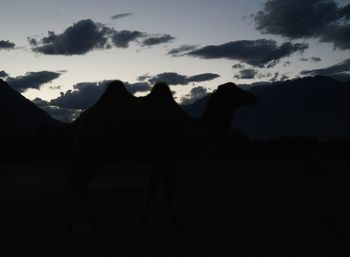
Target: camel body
152	128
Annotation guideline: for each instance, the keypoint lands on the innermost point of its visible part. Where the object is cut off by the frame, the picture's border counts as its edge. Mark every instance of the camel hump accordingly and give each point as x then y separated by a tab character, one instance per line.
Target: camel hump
115	91
116	88
161	91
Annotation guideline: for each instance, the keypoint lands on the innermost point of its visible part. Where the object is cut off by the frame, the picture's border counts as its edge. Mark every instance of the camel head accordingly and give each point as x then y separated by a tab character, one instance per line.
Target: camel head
222	104
231	96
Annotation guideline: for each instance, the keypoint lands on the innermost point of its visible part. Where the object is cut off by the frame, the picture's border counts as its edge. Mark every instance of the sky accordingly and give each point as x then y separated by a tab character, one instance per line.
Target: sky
60	53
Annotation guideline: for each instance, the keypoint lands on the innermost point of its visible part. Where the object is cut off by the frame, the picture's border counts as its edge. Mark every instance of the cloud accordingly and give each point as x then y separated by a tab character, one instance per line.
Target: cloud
6	45
247	74
86	94
87	35
331	71
156	40
121	15
182	50
195	94
260	53
58	113
123	38
137	87
304	59
32	80
77	39
295	19
144	77
316	59
238	66
203	77
83	95
173	78
256	74
3	74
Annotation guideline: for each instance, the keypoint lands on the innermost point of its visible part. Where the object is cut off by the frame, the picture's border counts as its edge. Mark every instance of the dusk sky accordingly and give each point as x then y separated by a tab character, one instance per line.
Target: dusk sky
48	47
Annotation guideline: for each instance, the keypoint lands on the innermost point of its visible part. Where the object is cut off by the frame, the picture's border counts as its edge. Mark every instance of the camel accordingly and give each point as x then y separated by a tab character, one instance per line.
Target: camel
153	128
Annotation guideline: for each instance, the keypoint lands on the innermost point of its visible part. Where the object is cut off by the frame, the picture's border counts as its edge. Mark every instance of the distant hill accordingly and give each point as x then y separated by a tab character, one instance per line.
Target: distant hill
18	114
316	107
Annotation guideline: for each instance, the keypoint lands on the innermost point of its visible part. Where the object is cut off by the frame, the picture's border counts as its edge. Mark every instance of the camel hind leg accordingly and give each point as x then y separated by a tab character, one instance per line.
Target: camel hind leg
78	182
161	171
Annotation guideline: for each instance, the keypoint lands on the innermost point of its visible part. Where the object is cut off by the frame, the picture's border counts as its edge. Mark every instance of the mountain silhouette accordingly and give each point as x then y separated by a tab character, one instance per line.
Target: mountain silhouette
20	115
316	107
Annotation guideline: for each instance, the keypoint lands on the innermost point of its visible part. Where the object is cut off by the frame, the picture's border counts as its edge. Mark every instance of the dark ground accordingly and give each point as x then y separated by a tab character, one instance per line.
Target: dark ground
226	208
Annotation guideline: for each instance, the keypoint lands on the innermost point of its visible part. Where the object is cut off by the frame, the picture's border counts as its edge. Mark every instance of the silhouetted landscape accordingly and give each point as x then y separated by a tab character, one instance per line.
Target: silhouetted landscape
175	128
228	193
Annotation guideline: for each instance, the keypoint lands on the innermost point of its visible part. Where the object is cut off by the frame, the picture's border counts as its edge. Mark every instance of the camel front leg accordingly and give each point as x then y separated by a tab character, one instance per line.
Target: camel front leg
68	194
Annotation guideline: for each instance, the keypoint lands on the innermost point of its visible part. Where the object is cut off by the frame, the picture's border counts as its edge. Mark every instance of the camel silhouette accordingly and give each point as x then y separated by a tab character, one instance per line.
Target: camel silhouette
153	128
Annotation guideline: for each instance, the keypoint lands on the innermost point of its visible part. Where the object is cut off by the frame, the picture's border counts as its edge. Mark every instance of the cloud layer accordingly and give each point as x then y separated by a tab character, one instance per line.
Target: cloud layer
156	40
79	38
87	35
32	80
173	78
85	94
296	19
5	44
259	53
121	15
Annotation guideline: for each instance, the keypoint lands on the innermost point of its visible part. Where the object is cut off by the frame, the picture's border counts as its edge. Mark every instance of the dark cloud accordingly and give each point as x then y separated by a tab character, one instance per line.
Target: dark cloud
331	71
3	74
182	50
78	39
238	66
83	95
32	80
6	44
313	59
121	15
256	74
275	77
58	113
338	35
247	74
195	94
173	78
87	35
203	77
260	53
294	19
316	59
123	38
137	87
156	40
